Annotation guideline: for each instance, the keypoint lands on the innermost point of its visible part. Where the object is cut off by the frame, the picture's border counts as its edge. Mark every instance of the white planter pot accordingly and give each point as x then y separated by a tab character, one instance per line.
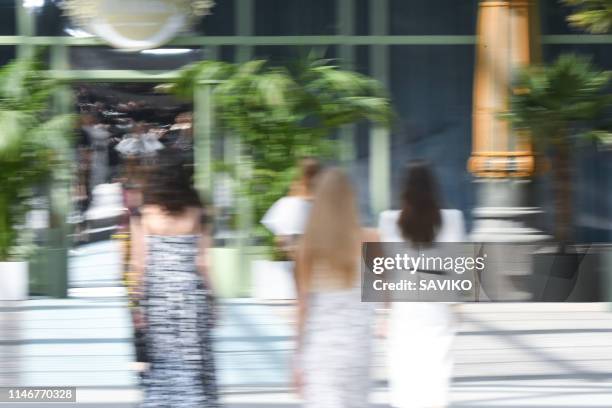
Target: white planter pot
273	280
13	281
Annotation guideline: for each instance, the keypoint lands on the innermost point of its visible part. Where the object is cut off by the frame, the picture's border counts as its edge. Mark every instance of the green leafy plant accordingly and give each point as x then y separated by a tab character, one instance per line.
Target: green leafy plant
594	16
284	113
557	104
31	142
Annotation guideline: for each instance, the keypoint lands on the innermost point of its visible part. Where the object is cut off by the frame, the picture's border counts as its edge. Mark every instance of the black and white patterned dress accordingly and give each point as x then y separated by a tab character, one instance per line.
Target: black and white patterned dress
179	316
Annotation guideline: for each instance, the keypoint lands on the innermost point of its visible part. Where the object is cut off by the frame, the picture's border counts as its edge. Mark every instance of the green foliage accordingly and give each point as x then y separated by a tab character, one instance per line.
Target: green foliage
30	142
593	16
559	101
284	113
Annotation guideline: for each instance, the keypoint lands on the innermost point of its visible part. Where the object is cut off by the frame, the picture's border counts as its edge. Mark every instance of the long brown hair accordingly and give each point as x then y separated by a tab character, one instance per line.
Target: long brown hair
304	185
420	218
170	183
332	234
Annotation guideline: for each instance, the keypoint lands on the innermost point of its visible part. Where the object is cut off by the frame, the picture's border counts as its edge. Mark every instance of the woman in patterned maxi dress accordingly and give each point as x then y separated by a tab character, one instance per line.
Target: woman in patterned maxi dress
169	241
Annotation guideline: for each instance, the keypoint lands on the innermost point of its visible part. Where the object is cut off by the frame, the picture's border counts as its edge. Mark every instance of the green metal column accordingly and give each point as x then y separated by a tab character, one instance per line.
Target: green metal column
213	53
380	138
203	128
60	196
346	26
52	261
26	29
245	26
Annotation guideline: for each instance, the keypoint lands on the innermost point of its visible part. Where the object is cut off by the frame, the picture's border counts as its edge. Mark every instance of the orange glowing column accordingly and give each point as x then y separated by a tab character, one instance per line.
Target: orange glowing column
507	38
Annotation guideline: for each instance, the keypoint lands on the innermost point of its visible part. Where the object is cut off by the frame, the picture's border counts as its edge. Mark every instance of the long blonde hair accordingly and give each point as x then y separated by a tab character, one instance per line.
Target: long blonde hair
333	233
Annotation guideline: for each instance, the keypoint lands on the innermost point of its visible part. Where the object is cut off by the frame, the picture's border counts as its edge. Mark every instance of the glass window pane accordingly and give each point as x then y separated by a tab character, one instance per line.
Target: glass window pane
220	22
110	58
50	20
362	17
440	17
7	53
7	18
290	54
431	88
553	16
600	54
295	17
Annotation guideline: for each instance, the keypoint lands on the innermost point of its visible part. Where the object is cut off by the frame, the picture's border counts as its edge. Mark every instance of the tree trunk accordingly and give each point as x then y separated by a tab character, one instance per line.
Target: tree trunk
562	185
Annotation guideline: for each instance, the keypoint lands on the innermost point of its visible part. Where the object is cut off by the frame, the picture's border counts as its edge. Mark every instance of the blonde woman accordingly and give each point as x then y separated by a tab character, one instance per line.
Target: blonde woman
334	327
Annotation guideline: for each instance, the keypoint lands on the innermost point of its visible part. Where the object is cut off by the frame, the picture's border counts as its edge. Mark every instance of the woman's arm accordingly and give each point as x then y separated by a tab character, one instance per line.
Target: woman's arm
204	259
302	269
137	254
137	269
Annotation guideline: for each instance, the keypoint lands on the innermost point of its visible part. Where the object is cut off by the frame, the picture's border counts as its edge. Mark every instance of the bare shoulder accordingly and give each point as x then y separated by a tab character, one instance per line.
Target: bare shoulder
369	235
150	210
158	221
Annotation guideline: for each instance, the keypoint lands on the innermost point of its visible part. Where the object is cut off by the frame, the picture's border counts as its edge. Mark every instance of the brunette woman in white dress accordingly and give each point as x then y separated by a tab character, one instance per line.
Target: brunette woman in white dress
420	335
334	326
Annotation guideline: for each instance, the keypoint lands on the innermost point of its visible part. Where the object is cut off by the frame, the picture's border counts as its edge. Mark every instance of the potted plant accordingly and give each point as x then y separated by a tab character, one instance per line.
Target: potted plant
282	114
30	144
559	104
594	17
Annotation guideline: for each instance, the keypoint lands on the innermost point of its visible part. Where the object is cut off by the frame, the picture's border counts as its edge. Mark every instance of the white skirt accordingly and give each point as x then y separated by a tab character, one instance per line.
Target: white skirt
337	350
419	356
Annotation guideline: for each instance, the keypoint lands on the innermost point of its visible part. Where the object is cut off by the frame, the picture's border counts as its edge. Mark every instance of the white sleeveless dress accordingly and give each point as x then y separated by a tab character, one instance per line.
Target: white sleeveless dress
420	336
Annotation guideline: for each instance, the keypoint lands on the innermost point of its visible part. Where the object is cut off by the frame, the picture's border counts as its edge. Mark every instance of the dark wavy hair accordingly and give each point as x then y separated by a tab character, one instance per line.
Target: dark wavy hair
420	218
170	183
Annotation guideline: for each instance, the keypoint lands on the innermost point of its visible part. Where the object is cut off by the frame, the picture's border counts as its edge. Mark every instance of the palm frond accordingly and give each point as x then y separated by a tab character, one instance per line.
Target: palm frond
593	16
548	99
282	114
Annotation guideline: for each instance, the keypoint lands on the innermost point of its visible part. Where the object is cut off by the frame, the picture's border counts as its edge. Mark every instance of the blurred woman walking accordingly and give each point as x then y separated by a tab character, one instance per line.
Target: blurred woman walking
288	215
169	254
334	327
420	334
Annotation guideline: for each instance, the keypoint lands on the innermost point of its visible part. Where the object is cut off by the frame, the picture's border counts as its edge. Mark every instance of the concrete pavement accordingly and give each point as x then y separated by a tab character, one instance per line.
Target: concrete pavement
506	355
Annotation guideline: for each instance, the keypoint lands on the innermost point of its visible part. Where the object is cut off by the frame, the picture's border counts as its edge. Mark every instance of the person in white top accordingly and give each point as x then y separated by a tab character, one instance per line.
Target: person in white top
420	335
287	217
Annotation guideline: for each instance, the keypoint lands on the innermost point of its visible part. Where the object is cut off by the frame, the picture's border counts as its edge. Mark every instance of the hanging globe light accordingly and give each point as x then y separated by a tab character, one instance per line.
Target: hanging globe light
136	25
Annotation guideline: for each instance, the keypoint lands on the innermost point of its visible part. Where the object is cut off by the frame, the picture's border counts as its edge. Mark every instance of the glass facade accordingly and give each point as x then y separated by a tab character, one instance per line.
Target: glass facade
295	17
429	71
8	24
100	58
7	53
445	17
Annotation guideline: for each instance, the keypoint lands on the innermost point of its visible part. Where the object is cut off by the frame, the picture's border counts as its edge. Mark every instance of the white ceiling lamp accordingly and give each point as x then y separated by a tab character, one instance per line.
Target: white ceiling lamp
136	25
33	3
77	32
167	51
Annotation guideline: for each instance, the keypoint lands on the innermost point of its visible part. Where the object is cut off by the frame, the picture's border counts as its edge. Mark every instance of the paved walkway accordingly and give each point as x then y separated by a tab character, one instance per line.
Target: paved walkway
507	355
